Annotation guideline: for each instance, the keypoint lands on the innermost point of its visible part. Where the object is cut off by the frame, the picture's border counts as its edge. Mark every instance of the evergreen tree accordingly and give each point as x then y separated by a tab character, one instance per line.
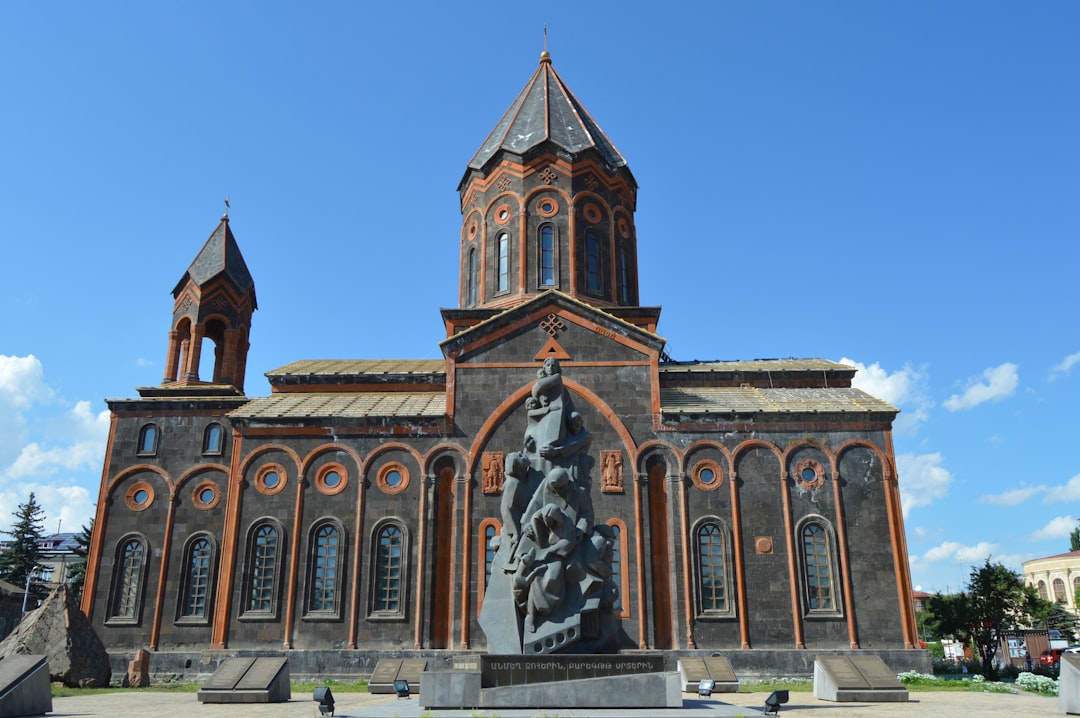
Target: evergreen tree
76	572
1074	539
23	555
995	602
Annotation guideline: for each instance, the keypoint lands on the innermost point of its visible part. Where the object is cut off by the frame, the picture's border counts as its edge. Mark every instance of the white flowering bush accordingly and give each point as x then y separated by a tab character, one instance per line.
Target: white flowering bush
1043	685
914	678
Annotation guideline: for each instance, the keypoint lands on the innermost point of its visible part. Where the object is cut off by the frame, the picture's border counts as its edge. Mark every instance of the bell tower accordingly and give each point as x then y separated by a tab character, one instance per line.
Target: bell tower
214	302
547	202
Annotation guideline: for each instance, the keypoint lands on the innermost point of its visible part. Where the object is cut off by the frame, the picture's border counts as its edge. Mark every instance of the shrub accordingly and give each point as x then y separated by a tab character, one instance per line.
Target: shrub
1043	685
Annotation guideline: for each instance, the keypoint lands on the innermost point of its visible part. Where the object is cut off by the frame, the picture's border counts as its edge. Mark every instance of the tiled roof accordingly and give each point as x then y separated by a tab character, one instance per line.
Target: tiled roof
345	405
749	400
219	255
760	365
546	111
351	367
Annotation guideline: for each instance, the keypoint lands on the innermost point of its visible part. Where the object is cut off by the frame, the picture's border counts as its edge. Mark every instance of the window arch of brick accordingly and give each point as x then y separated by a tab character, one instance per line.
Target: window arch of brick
197	582
213	439
326	569
389	568
129	580
148	440
262	572
485	557
547	256
713	578
819	574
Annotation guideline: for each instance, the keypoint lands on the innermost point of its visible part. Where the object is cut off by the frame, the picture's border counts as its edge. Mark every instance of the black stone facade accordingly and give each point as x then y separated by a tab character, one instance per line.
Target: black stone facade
758	426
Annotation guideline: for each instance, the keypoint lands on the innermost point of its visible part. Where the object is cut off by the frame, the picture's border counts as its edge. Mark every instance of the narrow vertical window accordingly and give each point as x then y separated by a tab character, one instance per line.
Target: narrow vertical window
1059	590
592	261
263	558
504	261
197	579
624	278
148	440
490	533
324	569
711	564
212	439
1042	591
388	570
547	256
818	569
127	581
470	299
617	568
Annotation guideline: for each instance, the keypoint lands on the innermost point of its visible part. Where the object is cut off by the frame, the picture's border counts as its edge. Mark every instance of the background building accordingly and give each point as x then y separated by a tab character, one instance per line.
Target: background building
755	503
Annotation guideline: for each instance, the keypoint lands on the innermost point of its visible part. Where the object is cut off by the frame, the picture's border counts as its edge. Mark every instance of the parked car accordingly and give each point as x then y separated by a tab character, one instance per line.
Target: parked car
1051	656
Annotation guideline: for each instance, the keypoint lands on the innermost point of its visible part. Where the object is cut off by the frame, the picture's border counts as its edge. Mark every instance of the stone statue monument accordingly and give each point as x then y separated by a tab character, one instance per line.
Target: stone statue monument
551	587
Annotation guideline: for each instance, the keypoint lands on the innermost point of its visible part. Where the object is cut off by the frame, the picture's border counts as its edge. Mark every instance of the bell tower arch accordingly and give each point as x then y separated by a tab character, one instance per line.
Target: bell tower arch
212	309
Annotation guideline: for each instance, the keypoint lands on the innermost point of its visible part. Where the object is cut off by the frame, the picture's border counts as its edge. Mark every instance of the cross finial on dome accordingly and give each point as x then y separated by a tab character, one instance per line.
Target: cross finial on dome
545	56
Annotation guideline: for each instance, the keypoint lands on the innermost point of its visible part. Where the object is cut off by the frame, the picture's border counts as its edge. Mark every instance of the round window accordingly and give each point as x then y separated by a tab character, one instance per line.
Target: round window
206	495
331	479
141	496
393	478
271	479
707	476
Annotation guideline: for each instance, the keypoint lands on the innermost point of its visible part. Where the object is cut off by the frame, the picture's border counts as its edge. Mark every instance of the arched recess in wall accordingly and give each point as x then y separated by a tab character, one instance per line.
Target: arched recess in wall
445	464
657	462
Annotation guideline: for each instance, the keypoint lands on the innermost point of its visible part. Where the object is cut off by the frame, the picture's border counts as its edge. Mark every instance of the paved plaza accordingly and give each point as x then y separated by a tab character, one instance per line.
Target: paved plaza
364	705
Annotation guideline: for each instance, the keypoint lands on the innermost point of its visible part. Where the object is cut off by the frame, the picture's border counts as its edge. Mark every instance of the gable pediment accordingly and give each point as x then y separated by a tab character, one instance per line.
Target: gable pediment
553	325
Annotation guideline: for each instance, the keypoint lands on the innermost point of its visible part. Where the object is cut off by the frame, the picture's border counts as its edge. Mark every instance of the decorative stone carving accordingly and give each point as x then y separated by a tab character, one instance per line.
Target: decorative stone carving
551	587
492	471
611	480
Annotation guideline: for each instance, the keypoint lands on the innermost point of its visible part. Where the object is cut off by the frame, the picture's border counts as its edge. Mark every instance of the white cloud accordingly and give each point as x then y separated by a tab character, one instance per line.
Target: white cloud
1059	527
923	479
904	388
21	382
1014	497
959	553
994	384
1069	491
65	507
49	446
1066	364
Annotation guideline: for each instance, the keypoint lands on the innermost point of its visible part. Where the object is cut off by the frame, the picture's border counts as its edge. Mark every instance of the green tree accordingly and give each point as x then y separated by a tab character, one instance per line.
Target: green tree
76	572
23	554
995	601
1074	539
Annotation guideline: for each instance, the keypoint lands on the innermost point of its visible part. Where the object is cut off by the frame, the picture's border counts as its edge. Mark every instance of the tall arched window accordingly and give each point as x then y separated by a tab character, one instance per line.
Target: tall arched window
213	439
624	277
198	562
1042	591
592	261
547	256
617	552
263	553
818	579
503	243
389	570
127	580
148	438
1059	590
324	567
710	544
470	298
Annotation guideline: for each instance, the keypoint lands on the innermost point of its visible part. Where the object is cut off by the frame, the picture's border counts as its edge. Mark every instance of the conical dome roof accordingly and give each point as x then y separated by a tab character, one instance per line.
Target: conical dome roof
546	111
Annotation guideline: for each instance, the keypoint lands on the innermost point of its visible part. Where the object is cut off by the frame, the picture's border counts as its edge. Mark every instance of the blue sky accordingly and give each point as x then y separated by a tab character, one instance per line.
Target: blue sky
890	184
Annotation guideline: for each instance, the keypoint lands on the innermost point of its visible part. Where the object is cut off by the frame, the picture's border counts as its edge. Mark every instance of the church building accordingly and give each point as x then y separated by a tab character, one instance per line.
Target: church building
753	506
